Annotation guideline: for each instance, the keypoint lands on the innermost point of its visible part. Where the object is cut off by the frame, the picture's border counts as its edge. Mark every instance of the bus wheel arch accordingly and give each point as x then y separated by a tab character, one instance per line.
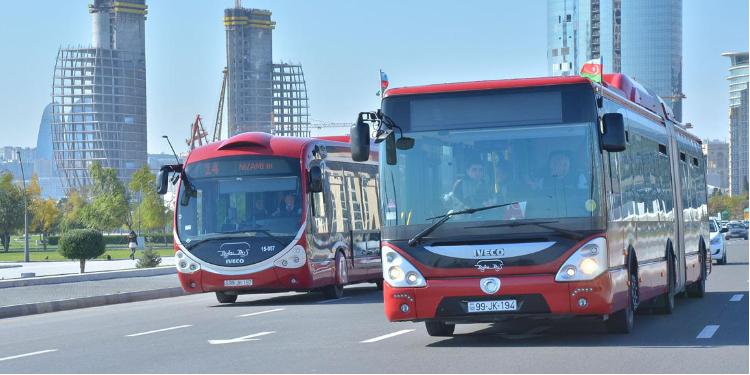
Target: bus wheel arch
623	321
666	300
340	276
698	288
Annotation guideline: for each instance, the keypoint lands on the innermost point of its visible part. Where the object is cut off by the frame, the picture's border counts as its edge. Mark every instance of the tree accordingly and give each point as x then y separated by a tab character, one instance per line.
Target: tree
150	209
11	209
72	208
730	207
81	245
46	218
110	207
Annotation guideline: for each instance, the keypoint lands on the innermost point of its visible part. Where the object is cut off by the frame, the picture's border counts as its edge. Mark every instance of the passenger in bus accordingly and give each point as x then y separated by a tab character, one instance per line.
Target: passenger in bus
472	190
289	207
259	209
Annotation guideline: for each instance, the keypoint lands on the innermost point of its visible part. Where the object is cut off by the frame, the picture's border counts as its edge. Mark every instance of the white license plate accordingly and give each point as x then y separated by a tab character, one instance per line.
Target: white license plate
499	305
238	282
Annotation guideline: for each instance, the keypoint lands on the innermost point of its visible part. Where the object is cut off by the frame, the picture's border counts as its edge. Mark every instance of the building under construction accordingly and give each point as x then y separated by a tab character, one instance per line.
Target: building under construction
99	95
262	96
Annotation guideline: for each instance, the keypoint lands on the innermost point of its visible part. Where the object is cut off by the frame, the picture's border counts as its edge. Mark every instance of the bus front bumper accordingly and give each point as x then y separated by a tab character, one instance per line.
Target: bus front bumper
447	299
273	279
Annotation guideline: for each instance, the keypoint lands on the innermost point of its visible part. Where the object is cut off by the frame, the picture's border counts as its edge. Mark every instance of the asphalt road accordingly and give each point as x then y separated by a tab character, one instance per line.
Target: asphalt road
303	333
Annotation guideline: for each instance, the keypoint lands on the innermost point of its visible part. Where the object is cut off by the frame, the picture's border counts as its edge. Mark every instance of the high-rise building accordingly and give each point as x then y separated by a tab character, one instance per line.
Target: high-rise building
738	122
262	96
640	38
250	68
717	163
99	95
45	168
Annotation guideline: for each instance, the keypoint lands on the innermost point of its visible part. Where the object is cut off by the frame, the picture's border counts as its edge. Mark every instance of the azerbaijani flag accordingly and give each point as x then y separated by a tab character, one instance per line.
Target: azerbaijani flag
592	70
383	81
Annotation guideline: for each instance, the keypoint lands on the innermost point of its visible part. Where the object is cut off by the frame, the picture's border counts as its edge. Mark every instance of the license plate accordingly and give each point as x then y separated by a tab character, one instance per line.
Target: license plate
487	306
238	282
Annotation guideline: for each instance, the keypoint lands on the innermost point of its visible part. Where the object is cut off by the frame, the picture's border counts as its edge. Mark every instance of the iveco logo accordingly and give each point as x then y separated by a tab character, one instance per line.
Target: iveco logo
484	253
490	285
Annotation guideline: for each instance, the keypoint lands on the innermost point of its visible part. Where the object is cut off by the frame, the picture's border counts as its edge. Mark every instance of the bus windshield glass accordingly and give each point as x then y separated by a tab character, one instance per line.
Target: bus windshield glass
244	196
520	146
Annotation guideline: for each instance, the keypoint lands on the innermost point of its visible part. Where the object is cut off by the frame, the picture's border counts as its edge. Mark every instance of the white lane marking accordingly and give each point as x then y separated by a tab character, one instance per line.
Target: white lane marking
27	354
333	300
158	330
240	339
259	312
736	298
375	339
707	332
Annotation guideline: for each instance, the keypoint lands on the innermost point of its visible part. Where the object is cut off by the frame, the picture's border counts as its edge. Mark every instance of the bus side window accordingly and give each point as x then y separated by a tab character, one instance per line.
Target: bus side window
338	200
370	201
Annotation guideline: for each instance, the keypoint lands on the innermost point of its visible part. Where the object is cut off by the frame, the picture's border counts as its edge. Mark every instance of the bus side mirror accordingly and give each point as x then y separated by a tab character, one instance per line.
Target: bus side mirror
315	176
360	139
613	136
162	180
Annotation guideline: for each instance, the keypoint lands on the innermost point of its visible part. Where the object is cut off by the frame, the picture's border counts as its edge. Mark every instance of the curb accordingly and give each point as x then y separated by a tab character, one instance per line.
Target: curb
79	303
105	275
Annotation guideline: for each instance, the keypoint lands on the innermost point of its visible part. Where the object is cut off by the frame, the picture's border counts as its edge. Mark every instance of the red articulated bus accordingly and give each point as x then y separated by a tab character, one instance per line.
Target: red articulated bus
262	213
536	197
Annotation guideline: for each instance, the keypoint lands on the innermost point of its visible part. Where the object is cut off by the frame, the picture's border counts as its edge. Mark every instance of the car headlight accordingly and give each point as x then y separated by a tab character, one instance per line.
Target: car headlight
185	264
398	272
294	258
588	262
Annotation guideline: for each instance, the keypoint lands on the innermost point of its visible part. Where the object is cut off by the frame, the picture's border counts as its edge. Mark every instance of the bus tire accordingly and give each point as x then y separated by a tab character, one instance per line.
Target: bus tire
667	299
723	259
336	290
226	298
438	328
623	320
698	288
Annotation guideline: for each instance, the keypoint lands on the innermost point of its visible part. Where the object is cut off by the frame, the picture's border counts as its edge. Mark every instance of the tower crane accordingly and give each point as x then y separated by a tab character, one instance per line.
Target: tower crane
197	134
220	111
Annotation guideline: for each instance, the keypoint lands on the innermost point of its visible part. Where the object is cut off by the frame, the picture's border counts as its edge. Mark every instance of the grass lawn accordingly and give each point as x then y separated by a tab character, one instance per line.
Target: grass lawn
40	256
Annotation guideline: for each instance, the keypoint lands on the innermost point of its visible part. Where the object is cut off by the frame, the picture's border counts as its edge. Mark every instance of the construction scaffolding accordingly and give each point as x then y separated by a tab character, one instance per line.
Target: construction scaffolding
290	106
98	112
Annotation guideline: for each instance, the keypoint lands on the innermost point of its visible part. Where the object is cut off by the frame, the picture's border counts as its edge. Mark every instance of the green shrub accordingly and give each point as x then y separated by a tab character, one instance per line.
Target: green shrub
81	244
148	259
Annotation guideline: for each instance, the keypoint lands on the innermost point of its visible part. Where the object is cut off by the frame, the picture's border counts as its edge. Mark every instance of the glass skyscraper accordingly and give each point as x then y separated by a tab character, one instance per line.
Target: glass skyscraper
738	122
640	38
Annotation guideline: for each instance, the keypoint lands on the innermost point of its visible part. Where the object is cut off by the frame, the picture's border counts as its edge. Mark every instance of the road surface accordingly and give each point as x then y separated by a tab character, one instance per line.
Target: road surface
303	333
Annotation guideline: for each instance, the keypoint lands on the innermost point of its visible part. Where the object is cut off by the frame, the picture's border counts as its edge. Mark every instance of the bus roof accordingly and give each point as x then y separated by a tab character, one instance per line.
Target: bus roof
620	84
260	143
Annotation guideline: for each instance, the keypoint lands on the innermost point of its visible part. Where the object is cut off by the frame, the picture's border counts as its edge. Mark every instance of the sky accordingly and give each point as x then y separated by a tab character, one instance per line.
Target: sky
341	45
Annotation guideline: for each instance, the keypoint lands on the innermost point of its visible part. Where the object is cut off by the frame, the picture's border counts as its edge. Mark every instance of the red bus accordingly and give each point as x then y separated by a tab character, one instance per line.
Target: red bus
262	213
536	197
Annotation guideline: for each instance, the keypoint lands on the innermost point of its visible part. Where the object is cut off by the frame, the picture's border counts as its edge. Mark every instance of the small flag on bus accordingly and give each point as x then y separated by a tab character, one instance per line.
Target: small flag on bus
383	80
592	70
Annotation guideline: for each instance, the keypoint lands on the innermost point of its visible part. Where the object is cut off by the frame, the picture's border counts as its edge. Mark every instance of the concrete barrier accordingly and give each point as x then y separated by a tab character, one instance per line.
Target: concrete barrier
79	303
104	275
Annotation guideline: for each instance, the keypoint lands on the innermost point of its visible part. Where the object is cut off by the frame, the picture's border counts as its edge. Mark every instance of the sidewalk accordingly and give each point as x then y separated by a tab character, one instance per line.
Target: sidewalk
14	270
37	299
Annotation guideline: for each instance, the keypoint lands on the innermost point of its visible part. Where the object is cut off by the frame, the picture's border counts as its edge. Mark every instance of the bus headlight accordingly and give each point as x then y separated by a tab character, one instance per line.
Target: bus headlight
294	258
185	264
398	272
588	262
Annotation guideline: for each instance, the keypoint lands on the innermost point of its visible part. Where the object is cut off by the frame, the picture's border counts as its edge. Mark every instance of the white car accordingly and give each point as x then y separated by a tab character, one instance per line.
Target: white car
718	251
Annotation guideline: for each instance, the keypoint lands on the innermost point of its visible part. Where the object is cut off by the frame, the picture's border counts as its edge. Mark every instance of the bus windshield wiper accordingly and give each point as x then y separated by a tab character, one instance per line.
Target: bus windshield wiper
541	224
443	218
258	230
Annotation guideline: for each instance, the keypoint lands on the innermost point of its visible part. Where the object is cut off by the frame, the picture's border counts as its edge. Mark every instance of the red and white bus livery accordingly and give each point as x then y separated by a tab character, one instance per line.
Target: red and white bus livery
262	213
535	197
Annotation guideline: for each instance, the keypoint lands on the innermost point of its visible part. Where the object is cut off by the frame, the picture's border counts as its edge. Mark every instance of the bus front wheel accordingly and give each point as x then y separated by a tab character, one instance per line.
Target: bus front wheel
336	290
226	298
437	328
623	320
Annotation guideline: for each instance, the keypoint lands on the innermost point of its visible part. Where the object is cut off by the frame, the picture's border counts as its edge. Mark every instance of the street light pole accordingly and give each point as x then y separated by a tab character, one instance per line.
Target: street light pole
25	212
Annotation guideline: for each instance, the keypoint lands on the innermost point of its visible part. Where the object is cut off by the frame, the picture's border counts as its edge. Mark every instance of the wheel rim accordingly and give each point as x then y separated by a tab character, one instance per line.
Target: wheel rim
342	270
634	292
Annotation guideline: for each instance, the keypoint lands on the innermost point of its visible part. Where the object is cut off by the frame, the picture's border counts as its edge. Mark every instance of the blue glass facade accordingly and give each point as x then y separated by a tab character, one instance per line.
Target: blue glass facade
641	38
652	47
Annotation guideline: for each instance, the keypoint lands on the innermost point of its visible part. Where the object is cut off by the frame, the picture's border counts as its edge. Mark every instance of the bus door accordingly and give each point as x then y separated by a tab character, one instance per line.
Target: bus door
365	234
678	242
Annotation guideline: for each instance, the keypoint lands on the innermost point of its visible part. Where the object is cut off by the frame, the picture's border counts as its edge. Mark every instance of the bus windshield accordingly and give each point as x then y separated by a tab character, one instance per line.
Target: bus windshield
247	196
521	147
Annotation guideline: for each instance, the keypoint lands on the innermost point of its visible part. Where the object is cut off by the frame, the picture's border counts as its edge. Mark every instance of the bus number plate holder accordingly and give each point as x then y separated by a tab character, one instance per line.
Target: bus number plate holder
247	282
489	306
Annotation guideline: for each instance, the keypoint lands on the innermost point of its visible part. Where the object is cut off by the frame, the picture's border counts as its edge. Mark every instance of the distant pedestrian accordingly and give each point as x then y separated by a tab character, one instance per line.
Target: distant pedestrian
132	243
